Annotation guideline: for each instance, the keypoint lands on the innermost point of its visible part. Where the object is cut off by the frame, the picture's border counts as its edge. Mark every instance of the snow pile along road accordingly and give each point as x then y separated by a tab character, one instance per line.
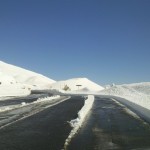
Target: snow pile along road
76	123
39	100
138	93
46	99
136	96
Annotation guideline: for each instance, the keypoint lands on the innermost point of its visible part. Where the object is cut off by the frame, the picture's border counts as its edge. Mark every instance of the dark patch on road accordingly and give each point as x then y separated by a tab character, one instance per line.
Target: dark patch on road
110	127
46	130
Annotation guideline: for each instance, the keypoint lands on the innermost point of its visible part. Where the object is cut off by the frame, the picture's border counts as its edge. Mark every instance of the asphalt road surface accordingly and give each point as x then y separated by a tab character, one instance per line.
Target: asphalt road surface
110	126
46	130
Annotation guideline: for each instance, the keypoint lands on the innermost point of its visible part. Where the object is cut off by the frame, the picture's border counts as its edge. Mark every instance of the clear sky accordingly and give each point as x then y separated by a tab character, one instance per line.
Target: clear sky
107	41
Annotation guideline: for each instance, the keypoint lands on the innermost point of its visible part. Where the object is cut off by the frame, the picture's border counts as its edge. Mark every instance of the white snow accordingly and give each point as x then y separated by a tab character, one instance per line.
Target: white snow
76	123
46	98
83	112
14	90
138	93
16	81
72	84
25	76
23	110
10	87
136	96
39	100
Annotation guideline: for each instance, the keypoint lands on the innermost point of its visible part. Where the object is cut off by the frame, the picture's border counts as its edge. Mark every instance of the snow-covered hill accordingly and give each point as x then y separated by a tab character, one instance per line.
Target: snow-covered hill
80	84
24	76
16	81
10	87
138	93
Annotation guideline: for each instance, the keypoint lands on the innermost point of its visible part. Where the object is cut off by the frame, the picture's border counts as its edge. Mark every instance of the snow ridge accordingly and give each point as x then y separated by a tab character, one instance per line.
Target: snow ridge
77	123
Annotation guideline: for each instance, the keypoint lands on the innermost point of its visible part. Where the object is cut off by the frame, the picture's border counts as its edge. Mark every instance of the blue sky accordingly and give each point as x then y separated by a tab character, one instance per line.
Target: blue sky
107	41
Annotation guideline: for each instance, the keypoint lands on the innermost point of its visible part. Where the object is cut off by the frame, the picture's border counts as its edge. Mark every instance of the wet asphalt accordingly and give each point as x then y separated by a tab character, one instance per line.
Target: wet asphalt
46	130
110	127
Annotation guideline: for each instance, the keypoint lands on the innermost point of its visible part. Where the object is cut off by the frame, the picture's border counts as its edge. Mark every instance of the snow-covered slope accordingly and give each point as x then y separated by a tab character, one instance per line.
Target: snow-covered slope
138	93
25	76
86	85
10	87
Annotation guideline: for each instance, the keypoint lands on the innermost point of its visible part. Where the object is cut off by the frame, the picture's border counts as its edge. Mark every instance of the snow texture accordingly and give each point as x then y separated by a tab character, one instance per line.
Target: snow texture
11	107
138	93
76	123
12	88
46	98
135	96
77	84
29	109
16	81
23	76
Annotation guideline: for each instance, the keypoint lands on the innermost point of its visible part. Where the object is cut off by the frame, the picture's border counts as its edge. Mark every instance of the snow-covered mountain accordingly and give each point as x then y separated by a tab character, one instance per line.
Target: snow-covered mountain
24	76
80	84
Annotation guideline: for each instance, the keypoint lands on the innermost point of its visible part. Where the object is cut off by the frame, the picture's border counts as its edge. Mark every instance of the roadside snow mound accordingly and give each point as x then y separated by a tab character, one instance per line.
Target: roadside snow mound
138	93
77	123
77	84
35	80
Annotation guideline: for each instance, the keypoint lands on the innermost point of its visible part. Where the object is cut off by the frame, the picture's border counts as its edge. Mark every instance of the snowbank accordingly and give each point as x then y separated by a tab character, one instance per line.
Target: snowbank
39	100
136	96
131	93
76	123
46	99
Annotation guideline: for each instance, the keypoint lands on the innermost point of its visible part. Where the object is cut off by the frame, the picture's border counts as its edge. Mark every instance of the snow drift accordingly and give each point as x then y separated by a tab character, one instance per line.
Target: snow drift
77	84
